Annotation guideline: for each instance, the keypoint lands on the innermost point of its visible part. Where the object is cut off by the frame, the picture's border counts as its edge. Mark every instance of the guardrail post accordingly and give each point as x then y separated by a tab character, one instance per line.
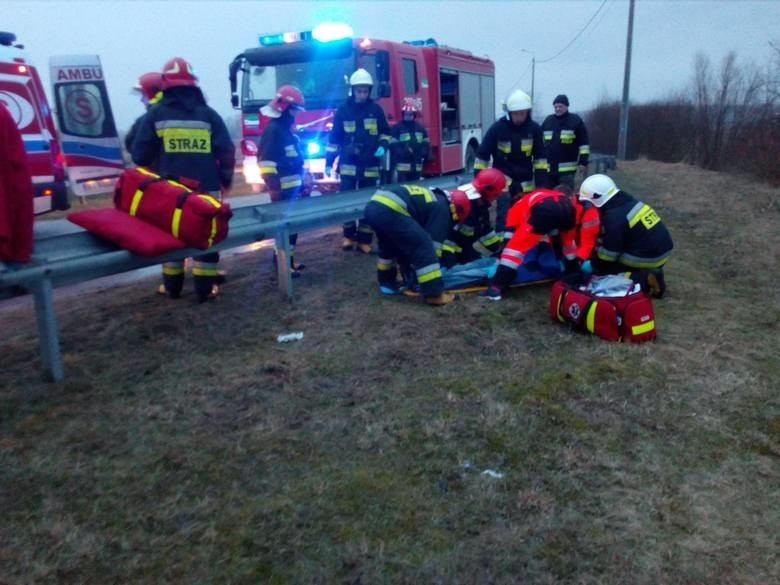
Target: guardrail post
283	260
48	334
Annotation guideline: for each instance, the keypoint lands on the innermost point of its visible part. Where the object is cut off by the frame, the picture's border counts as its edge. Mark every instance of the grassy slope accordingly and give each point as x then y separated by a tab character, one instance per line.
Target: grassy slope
187	446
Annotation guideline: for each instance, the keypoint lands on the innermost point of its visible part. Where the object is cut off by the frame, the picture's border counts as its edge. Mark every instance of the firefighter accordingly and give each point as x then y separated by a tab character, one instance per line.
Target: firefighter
281	155
16	194
566	144
360	138
190	140
533	220
514	142
411	223
633	237
474	236
409	144
150	87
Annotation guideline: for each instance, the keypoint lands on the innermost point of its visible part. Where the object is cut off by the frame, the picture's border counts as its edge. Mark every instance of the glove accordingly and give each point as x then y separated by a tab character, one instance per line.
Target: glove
586	267
561	266
328	171
380	151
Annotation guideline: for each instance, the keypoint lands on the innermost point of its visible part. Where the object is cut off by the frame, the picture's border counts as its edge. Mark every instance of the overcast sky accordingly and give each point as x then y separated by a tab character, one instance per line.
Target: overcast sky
133	37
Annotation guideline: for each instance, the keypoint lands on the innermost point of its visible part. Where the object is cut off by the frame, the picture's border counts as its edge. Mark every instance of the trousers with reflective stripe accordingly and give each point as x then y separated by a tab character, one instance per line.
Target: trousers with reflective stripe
400	237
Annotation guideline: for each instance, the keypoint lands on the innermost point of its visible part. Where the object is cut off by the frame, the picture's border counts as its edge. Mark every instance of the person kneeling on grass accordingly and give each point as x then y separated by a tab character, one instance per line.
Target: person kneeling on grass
533	220
633	238
411	224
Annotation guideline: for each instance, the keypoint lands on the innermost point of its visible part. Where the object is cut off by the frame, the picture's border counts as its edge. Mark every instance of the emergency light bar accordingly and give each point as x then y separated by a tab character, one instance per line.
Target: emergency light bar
325	32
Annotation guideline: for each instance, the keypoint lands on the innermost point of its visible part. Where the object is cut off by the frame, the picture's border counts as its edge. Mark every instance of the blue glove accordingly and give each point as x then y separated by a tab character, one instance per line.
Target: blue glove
586	267
380	151
328	171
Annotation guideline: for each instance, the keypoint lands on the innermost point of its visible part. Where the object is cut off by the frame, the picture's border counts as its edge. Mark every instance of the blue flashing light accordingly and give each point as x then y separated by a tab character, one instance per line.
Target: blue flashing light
283	38
331	31
313	148
269	40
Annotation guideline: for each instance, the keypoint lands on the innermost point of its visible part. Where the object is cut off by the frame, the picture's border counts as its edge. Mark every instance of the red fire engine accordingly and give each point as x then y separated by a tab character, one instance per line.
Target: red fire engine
22	93
456	88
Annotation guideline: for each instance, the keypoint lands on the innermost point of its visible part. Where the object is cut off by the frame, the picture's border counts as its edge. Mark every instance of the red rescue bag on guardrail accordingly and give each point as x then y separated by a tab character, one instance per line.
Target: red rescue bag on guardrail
627	317
198	219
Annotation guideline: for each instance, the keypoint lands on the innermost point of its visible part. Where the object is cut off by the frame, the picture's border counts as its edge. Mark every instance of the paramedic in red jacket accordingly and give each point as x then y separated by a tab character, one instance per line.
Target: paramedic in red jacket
16	193
587	225
534	219
189	140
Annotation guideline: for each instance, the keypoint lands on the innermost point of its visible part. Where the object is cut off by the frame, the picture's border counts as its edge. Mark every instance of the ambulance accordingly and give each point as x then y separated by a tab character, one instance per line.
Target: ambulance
22	93
455	87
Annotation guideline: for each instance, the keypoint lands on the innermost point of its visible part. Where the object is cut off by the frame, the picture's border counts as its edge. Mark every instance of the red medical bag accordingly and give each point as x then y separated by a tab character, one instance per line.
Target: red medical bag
198	219
615	318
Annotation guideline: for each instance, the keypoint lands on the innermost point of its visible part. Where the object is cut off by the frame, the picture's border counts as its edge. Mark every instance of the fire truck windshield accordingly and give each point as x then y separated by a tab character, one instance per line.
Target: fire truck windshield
324	83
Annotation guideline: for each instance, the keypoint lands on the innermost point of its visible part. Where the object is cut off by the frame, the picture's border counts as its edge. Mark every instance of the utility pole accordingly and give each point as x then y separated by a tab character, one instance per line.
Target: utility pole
623	130
533	71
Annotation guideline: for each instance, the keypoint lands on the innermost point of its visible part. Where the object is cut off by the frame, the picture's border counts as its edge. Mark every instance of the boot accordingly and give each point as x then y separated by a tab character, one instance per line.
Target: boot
493	293
171	286
442	299
656	284
348	244
365	248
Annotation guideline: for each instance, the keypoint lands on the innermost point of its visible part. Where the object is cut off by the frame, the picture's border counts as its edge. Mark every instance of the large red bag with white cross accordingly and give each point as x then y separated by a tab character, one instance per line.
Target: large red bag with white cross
625	315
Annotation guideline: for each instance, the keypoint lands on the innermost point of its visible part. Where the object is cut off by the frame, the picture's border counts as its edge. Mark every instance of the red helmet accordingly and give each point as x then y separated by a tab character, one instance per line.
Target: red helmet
178	71
150	84
287	96
460	203
411	104
489	183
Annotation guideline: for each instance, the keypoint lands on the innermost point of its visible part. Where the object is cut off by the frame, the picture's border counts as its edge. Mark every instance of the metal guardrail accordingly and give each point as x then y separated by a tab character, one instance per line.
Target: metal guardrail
602	163
64	253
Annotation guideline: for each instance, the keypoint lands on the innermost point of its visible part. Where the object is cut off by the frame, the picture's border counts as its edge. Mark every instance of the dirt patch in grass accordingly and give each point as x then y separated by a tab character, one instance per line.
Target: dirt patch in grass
187	446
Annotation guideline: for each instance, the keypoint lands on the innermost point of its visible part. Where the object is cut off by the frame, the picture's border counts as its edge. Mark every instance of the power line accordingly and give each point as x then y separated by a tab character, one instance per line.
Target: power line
522	75
571	42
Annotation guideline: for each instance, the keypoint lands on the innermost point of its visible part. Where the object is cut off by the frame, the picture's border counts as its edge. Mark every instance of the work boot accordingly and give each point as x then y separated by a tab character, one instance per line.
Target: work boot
365	248
389	290
161	290
442	299
213	294
348	244
656	284
410	293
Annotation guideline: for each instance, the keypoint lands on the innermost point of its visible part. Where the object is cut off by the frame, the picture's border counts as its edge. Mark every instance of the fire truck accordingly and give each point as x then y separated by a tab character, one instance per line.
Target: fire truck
455	87
22	93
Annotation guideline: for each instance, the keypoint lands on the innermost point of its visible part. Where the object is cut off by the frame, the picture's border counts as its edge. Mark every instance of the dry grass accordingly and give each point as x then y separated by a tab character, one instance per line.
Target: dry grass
187	446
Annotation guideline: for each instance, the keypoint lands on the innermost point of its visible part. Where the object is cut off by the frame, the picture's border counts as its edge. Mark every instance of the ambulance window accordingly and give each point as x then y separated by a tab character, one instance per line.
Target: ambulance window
410	76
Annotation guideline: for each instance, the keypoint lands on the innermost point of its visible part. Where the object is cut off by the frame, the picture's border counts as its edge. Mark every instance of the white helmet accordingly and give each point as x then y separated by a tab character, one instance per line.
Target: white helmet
517	100
361	77
598	189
